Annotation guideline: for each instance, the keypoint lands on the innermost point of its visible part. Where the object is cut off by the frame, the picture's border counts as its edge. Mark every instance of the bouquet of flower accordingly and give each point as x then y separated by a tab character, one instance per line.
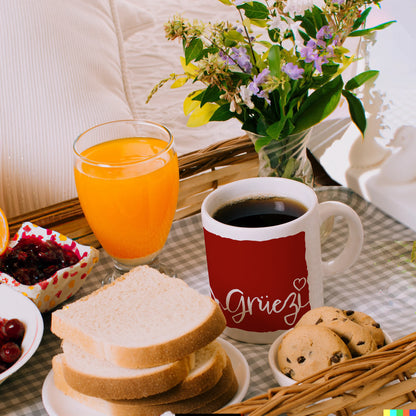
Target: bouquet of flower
278	69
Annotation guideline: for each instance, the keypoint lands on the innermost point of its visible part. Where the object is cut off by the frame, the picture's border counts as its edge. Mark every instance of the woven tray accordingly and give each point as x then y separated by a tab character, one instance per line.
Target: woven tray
363	386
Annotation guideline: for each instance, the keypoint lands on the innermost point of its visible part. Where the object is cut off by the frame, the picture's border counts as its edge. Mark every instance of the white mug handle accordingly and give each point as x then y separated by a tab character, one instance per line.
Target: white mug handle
355	239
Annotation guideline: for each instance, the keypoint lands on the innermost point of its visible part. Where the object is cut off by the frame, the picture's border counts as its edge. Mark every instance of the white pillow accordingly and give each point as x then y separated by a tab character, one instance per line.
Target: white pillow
62	71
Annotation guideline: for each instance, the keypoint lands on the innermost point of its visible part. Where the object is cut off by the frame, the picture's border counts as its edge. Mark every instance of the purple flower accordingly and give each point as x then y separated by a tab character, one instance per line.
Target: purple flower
240	57
261	78
319	61
254	86
325	32
309	52
292	70
338	1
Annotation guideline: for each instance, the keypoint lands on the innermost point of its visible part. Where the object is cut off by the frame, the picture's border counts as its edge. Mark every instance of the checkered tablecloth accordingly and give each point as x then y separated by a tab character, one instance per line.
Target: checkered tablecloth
382	283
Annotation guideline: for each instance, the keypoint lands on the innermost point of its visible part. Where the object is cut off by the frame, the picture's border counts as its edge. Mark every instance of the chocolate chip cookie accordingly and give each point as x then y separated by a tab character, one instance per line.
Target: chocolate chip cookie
358	338
368	322
320	315
306	349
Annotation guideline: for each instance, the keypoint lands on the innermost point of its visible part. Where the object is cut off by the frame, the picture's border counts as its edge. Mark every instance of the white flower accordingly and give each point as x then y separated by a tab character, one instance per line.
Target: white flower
278	23
284	25
297	7
288	44
245	94
294	27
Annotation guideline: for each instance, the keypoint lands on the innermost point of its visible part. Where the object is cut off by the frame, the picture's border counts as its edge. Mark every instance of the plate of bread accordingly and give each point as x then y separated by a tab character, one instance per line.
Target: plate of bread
143	345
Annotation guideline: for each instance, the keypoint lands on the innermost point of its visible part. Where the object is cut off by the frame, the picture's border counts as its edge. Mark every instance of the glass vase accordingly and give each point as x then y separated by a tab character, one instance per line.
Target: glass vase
286	157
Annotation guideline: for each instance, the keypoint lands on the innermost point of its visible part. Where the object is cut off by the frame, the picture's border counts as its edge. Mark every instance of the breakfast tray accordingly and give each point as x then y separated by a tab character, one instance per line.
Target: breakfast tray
382	283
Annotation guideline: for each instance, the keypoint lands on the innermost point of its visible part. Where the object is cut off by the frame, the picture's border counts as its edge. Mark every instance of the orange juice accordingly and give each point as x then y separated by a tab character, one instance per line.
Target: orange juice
128	193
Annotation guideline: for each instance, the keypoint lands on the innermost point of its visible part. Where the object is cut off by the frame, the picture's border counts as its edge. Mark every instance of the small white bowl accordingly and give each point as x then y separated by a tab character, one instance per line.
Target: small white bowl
282	379
15	305
278	375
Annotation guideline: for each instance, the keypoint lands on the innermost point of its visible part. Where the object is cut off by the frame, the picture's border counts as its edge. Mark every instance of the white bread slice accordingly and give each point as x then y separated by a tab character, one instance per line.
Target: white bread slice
210	362
216	397
142	319
100	378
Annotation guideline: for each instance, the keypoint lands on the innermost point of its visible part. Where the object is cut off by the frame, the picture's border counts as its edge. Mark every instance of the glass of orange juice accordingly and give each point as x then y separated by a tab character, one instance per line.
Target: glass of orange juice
127	178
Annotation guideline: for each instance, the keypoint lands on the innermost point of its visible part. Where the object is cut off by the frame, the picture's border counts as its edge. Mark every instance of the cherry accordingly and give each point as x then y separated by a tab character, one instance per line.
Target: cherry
13	330
10	352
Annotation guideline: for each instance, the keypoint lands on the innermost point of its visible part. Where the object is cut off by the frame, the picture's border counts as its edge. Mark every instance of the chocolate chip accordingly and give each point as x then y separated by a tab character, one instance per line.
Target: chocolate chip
288	360
336	358
360	342
376	325
349	312
301	359
290	373
319	321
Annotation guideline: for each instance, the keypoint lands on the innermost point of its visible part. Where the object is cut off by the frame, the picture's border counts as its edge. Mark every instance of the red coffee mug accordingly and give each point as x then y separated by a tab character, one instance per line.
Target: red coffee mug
265	278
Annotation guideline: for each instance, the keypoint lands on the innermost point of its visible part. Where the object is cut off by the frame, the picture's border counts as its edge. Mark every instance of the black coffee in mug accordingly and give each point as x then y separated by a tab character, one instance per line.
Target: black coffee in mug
260	212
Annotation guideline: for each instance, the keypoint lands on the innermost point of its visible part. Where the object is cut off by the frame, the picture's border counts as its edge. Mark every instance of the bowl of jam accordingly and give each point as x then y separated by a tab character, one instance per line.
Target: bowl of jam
45	265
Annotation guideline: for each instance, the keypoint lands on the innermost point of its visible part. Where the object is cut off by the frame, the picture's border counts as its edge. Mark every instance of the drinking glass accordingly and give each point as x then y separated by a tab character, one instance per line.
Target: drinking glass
127	178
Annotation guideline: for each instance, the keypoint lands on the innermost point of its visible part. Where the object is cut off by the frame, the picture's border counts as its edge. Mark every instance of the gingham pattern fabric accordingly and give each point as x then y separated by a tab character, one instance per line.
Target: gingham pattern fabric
382	283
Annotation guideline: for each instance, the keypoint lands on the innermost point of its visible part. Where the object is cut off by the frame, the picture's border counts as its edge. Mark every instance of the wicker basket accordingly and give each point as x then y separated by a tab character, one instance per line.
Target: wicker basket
362	386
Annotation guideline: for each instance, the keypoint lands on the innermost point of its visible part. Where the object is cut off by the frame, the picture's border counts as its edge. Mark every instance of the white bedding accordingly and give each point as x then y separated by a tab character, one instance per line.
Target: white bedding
67	66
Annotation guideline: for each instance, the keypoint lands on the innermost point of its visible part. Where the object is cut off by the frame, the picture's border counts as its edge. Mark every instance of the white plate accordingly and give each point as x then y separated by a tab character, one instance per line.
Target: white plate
241	370
57	403
15	305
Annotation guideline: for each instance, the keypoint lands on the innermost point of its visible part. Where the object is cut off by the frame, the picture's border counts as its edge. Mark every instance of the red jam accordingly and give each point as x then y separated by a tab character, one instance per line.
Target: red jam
33	260
11	336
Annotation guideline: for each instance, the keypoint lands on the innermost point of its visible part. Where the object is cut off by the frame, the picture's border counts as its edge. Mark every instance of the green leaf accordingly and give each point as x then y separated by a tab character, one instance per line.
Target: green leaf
222	113
360	79
205	52
274	35
319	105
330	69
362	18
319	17
274	130
227	2
356	111
255	10
309	26
261	142
193	50
258	22
273	59
234	35
364	32
210	94
304	36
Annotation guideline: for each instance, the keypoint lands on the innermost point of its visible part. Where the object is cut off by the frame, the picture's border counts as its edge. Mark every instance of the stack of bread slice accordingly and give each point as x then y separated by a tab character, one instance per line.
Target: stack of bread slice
142	345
